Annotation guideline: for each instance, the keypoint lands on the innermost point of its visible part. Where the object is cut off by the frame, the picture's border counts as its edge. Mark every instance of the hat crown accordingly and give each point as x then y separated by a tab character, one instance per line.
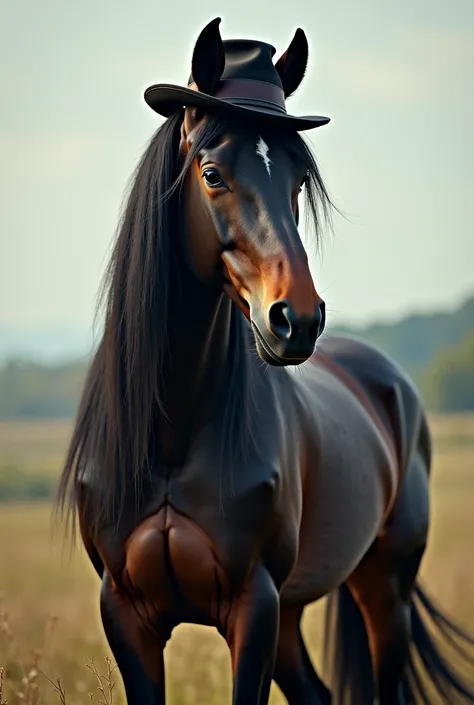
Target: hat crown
239	77
249	60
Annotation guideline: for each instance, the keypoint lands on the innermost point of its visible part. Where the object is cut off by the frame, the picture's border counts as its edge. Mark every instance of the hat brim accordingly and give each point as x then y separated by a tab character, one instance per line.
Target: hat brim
165	99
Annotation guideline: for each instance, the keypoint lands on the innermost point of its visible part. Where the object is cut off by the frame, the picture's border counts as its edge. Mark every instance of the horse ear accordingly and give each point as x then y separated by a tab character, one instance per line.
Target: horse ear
208	58
291	66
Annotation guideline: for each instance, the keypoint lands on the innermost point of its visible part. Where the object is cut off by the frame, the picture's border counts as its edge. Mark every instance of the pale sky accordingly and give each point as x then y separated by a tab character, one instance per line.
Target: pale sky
397	80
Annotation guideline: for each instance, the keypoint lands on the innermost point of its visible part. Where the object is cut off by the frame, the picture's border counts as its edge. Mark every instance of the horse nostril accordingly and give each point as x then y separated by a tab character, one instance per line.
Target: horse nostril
317	326
285	326
278	320
322	316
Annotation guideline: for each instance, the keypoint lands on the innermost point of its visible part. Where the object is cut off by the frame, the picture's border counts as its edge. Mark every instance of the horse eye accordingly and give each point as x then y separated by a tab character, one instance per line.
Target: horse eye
212	178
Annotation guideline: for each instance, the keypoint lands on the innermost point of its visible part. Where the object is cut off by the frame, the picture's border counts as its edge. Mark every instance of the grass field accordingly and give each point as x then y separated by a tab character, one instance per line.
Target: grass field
49	597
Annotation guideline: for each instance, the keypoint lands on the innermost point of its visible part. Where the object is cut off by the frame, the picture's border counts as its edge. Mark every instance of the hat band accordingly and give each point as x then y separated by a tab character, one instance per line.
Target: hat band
247	91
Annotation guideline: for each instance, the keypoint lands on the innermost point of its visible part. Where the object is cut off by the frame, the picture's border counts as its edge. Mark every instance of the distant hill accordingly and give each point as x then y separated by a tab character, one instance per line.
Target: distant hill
447	383
415	340
35	384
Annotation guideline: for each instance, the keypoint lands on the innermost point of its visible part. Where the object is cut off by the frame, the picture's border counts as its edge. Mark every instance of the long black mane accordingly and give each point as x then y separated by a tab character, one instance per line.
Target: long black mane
122	396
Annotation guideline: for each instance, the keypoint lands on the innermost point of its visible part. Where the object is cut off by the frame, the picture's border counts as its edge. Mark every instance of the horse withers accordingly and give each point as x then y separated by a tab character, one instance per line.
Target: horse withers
223	472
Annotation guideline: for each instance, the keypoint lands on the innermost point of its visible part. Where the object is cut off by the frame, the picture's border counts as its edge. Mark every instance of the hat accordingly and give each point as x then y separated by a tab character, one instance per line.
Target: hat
238	77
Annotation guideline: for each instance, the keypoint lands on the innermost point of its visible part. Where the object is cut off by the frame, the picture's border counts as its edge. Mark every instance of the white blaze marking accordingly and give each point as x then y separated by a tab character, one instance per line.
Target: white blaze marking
262	151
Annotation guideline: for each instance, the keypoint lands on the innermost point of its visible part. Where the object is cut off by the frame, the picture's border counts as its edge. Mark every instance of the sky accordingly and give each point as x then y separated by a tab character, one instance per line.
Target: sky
398	156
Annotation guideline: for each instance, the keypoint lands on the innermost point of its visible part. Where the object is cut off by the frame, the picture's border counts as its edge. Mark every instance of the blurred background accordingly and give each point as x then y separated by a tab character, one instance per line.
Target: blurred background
398	159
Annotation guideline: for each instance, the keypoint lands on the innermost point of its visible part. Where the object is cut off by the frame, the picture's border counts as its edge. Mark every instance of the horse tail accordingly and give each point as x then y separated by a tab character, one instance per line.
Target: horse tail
440	667
442	656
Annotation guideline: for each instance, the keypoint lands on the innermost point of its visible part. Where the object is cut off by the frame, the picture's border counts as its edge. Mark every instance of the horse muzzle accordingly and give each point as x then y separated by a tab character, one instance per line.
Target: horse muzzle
284	338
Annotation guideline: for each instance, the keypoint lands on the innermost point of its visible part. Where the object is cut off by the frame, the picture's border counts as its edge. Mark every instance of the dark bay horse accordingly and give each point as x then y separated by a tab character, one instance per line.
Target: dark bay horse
217	483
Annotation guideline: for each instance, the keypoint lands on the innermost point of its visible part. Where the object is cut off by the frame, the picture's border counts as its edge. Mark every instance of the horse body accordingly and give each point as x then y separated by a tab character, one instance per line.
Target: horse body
309	523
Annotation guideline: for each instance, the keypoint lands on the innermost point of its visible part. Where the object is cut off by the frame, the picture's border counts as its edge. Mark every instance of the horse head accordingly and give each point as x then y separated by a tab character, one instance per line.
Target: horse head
242	213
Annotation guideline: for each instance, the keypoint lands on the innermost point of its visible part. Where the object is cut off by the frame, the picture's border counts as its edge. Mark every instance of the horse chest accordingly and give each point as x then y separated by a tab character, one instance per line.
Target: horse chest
237	514
172	564
191	554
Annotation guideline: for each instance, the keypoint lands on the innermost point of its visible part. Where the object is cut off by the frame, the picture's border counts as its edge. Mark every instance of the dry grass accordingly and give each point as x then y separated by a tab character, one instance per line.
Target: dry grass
2	680
49	615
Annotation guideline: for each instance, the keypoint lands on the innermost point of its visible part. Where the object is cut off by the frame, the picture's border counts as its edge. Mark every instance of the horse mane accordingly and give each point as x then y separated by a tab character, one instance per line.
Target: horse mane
113	439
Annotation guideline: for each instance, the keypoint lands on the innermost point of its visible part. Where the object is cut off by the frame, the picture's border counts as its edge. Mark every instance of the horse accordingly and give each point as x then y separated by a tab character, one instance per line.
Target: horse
232	461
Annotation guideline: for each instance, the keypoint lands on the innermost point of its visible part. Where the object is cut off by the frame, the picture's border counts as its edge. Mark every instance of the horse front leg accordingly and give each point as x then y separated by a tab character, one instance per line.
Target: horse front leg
252	636
136	645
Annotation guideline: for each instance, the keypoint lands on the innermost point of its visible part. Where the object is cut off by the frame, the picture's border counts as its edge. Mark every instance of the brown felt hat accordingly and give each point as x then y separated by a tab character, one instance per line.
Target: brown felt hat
238	77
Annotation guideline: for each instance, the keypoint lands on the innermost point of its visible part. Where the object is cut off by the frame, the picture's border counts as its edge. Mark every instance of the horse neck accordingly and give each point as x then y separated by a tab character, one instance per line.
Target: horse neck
195	365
